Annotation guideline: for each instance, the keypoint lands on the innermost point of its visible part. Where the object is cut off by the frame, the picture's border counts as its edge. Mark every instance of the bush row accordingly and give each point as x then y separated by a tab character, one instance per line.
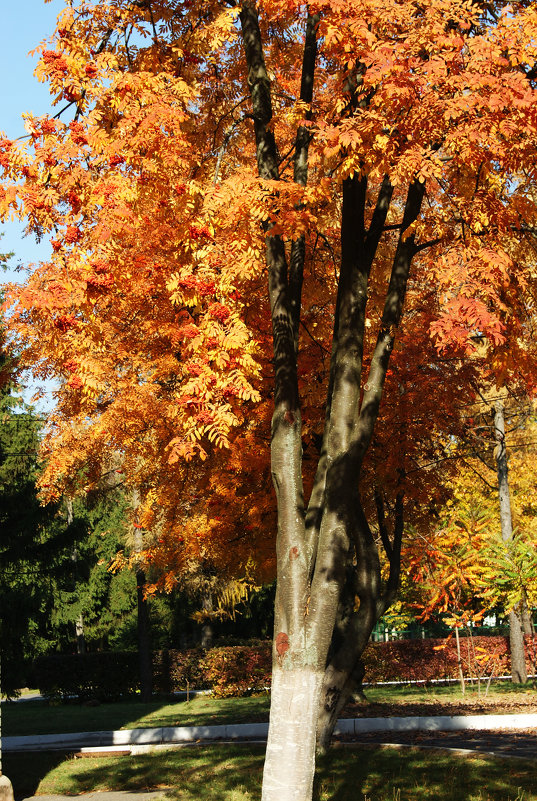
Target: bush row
242	669
232	670
105	676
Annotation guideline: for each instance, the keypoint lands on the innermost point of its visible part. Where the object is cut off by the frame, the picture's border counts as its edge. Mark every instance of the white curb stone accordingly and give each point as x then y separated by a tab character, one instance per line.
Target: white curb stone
184	734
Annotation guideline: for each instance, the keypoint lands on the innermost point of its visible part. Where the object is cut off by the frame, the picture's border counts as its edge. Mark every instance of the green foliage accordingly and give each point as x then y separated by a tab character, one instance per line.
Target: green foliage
34	543
509	576
104	602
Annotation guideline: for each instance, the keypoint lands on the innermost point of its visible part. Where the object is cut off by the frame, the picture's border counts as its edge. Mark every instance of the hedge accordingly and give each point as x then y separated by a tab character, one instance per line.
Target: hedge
242	669
104	676
436	659
229	670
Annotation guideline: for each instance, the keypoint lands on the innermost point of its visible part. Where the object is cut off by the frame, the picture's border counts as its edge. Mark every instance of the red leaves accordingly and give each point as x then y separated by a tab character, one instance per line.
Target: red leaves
100	282
5	147
75	382
199	232
70	366
55	61
188	331
187	282
65	322
219	312
78	133
72	234
205	418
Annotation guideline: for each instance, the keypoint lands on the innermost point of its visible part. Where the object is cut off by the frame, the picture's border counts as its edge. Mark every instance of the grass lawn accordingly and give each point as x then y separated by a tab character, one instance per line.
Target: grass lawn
38	717
214	773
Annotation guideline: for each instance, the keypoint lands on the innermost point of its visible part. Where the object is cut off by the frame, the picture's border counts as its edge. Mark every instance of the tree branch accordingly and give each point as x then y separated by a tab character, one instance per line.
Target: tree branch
302	142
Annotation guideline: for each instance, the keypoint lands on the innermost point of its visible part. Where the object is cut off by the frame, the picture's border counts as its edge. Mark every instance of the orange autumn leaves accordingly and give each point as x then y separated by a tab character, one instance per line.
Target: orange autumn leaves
151	310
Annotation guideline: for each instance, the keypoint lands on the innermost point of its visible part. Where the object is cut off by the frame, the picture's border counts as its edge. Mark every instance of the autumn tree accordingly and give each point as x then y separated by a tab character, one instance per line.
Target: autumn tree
367	157
461	562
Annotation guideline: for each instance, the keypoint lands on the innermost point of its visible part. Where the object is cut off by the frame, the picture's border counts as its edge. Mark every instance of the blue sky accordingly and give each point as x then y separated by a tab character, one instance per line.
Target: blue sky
25	23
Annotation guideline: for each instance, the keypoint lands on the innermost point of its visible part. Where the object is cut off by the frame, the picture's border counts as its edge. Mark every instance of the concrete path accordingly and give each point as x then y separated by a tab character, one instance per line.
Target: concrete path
121	795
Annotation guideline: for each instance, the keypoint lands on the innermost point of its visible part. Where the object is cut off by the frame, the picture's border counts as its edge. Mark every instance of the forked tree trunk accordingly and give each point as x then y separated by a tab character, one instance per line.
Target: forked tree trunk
329	588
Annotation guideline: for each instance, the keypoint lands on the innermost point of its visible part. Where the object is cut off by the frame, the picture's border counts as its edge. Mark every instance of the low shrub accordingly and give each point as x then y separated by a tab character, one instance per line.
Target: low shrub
238	670
174	671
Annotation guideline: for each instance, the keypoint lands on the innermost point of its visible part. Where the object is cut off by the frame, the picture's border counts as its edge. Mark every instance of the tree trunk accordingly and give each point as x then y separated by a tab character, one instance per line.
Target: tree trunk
516	638
145	661
79	622
527	624
459	660
207	632
144	642
519	673
322	550
290	757
80	639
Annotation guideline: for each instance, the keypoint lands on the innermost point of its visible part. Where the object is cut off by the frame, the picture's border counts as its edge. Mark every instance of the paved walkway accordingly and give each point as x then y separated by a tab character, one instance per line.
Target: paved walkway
116	796
506	743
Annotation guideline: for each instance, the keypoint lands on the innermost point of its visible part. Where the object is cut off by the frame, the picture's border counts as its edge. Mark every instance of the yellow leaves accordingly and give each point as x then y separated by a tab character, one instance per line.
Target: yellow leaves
381	140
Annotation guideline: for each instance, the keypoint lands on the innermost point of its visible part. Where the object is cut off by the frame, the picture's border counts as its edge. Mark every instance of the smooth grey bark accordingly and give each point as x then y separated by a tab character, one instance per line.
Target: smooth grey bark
207	631
516	637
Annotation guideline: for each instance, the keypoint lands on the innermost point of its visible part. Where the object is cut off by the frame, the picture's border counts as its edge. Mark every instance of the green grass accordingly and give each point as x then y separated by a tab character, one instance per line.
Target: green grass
452	692
214	773
37	717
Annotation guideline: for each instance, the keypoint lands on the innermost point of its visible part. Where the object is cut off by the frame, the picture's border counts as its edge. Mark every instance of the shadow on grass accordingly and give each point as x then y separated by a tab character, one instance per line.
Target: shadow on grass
385	774
40	717
233	772
208	773
25	771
